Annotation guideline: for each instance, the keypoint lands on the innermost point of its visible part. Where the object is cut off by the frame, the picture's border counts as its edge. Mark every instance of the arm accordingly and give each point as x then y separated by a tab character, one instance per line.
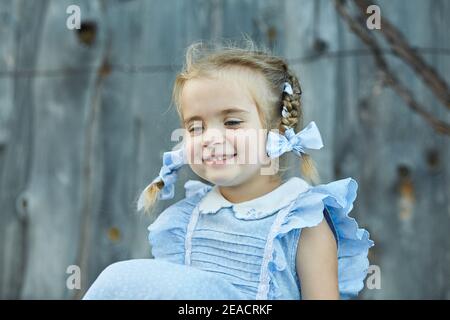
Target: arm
317	264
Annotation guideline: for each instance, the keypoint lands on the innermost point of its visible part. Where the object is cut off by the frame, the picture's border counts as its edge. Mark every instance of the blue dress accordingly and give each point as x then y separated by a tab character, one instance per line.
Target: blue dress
206	247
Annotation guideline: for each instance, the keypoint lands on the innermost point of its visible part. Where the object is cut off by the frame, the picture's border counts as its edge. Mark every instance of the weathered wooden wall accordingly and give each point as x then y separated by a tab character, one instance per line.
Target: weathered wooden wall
83	119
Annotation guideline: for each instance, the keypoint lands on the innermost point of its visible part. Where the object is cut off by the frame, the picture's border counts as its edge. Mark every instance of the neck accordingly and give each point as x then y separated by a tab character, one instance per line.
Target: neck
251	189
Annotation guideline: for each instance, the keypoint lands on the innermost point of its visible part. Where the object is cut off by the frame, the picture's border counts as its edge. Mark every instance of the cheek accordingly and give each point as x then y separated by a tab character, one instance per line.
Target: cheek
194	151
239	140
262	142
194	159
251	145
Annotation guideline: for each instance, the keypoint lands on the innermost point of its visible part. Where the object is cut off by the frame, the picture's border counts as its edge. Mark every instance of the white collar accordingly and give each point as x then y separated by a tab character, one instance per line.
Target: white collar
256	208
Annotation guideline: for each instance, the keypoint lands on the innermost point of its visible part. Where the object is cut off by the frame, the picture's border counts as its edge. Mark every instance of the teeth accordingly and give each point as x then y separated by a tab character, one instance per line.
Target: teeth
219	158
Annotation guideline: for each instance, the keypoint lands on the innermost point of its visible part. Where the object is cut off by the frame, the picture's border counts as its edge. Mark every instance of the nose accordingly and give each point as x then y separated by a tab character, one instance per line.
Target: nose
211	137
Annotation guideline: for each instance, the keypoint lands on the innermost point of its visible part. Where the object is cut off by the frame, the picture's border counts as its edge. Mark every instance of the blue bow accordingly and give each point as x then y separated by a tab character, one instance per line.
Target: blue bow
308	138
287	88
172	161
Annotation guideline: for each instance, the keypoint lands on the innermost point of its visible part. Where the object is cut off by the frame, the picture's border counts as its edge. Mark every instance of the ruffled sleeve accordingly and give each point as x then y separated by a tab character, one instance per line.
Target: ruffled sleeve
353	242
167	233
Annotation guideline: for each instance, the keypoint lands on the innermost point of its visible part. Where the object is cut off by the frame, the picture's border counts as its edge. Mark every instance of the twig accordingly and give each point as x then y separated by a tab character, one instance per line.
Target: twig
403	50
390	78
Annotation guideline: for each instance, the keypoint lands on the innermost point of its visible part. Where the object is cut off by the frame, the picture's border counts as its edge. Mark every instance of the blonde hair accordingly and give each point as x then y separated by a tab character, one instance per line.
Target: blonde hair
267	73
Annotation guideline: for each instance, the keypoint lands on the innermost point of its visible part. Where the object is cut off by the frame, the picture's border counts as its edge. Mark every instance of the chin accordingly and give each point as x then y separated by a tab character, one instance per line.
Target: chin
221	181
224	179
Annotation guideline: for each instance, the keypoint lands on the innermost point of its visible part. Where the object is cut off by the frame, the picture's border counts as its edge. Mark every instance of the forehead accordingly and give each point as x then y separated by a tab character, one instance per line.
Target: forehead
205	97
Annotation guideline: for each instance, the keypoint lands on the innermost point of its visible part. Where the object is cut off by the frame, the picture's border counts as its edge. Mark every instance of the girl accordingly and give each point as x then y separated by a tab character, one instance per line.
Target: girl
251	232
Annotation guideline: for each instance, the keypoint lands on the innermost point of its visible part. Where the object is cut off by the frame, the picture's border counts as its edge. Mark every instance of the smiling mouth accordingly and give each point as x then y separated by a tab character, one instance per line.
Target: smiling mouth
219	159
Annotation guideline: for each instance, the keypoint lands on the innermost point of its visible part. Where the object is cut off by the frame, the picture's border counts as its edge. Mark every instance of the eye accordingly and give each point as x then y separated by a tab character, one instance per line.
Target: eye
196	130
233	122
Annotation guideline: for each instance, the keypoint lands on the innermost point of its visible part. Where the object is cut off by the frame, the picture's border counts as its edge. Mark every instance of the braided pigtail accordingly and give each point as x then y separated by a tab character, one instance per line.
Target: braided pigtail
292	117
163	186
149	197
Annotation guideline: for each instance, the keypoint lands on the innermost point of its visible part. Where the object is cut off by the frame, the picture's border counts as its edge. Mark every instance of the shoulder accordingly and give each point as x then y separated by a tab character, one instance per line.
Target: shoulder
322	217
324	200
317	263
321	210
317	242
319	234
335	193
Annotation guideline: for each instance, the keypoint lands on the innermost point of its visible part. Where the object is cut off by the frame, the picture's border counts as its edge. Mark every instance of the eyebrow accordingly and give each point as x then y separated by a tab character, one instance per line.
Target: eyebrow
223	112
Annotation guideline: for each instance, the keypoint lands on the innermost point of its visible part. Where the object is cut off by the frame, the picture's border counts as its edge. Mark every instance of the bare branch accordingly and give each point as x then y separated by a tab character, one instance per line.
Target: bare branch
390	77
403	50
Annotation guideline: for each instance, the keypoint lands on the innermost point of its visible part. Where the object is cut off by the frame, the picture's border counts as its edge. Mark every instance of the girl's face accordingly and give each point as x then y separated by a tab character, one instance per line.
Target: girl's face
221	119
